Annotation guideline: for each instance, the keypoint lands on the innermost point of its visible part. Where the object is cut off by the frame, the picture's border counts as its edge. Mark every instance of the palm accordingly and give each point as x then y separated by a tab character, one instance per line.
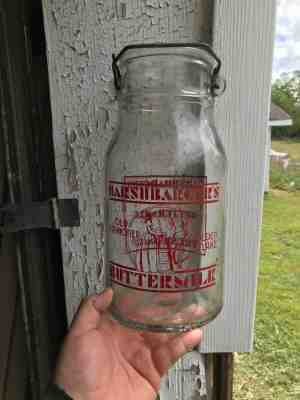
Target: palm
132	362
107	360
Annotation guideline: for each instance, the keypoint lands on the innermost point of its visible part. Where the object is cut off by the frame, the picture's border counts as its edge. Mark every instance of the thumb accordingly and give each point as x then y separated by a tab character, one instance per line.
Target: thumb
88	315
168	353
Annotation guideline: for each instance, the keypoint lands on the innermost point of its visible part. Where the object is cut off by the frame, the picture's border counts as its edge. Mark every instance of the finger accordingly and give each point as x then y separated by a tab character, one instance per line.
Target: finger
89	313
190	313
155	339
167	354
103	300
136	305
168	298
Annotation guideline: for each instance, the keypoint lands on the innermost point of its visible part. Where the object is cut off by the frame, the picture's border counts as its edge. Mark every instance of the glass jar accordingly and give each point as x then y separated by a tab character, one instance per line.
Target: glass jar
165	188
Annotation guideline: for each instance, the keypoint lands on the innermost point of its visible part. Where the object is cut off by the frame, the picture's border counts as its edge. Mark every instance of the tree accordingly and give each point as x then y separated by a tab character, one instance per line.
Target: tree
286	94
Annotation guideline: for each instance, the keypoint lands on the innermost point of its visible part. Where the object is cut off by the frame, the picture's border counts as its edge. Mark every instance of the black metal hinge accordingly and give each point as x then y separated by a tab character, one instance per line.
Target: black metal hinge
51	214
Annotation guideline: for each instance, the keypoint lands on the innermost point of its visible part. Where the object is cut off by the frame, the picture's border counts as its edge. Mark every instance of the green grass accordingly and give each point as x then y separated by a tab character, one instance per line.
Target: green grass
288	179
272	371
292	147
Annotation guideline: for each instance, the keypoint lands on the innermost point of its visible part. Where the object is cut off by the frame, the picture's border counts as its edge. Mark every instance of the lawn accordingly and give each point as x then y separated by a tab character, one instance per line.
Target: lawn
272	371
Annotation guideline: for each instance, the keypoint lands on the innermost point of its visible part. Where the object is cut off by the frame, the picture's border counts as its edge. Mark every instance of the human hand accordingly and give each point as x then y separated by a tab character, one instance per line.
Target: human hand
101	359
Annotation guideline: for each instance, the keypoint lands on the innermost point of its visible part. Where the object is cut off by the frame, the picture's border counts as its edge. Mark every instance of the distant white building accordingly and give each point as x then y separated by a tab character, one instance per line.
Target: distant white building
278	117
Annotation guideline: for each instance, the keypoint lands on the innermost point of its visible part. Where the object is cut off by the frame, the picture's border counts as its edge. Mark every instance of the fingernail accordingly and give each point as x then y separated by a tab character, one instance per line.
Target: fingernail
104	292
103	299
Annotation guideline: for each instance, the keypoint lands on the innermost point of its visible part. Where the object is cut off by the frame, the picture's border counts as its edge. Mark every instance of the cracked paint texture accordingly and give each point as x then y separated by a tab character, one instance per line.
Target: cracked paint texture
81	36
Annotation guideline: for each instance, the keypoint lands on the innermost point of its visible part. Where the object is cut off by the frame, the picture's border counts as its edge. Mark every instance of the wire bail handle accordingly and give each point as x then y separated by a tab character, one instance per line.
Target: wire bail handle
218	84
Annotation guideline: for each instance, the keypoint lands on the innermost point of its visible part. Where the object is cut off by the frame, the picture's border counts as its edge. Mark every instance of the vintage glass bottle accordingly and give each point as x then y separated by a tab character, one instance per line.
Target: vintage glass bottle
165	175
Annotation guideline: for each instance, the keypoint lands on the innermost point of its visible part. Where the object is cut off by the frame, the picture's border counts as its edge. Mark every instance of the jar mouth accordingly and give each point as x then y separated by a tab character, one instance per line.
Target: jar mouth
199	53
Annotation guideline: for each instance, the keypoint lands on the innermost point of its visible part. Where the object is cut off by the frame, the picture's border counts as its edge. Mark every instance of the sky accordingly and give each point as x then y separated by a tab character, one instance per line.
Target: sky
287	39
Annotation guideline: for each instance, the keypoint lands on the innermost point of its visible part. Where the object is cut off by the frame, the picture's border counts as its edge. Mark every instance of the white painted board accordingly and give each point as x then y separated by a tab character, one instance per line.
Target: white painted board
243	36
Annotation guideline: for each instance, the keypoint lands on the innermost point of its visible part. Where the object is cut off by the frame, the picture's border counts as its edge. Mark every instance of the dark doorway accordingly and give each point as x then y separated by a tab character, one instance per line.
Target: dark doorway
31	265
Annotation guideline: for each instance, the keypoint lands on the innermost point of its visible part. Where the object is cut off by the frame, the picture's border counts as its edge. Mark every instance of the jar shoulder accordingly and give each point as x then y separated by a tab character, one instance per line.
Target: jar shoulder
170	142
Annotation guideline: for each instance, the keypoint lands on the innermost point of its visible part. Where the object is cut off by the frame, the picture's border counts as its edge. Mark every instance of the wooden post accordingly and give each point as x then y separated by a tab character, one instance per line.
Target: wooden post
223	376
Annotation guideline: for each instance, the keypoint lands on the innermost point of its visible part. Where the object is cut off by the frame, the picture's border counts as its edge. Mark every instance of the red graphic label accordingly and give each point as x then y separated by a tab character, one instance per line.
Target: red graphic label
162	239
186	281
165	191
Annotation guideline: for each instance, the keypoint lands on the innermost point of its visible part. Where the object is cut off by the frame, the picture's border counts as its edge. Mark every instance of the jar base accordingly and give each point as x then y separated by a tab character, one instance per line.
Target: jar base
171	328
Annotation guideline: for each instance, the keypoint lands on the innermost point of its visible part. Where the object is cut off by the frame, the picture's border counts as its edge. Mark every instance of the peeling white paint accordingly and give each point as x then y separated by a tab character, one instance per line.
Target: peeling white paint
186	380
81	37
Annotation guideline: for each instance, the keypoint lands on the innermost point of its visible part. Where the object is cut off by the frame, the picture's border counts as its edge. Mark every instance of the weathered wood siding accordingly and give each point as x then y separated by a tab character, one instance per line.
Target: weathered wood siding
81	35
